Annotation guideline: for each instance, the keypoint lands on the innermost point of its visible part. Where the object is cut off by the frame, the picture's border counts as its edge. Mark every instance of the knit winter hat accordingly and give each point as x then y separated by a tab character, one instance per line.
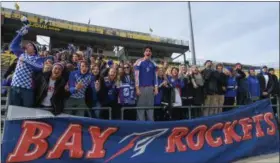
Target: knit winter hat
59	64
35	47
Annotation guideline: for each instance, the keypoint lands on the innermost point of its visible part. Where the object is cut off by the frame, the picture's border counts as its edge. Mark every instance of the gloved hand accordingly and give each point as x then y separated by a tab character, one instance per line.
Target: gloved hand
24	30
24	20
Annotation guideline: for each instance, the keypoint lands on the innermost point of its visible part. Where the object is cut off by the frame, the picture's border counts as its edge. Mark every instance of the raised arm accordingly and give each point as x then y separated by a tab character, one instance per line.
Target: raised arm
37	65
15	45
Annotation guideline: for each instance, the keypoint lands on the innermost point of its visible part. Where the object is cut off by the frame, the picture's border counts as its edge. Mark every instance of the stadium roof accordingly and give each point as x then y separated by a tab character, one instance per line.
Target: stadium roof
67	30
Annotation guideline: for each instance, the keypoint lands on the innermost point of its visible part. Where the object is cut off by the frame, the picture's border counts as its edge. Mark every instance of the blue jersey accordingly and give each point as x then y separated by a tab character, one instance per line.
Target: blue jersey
127	94
145	73
112	89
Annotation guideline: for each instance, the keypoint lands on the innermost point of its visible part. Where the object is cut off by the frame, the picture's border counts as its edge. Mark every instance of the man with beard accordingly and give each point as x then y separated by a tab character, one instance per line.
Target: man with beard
146	84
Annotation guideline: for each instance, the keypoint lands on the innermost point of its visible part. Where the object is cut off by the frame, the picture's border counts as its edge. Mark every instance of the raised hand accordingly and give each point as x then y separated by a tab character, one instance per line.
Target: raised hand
79	85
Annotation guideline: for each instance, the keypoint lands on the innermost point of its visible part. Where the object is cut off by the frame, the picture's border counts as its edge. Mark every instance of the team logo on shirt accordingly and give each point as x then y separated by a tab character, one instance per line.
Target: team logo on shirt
148	69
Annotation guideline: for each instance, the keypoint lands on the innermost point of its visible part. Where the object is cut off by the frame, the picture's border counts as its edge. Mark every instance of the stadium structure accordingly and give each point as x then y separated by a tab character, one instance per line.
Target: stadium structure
113	43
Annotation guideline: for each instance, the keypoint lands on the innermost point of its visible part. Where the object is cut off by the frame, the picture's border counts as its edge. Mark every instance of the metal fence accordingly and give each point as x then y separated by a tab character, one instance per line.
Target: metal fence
189	109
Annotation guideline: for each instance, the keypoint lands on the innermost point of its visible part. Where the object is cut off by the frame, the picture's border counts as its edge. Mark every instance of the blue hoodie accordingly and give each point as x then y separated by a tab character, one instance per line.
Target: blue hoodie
24	70
254	86
231	85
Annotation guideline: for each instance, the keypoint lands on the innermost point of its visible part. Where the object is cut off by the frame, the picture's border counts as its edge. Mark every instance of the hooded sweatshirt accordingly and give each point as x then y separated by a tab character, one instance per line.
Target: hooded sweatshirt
253	86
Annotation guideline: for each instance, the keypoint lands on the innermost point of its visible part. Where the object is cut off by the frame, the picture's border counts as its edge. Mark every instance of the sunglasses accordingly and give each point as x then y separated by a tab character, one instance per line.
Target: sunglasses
126	67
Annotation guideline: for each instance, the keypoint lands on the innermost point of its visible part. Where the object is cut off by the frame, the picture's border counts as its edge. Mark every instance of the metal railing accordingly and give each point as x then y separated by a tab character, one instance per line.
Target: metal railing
189	109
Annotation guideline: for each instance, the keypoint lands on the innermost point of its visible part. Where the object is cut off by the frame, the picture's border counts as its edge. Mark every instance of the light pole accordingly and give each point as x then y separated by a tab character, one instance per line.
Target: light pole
191	32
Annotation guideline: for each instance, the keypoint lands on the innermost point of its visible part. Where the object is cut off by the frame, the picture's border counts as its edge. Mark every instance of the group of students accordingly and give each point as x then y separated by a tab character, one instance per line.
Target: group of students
87	84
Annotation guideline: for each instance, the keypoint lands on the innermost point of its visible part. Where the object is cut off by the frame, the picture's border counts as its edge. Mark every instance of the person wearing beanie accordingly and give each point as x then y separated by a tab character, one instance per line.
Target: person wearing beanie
266	83
49	92
230	90
276	89
22	89
253	85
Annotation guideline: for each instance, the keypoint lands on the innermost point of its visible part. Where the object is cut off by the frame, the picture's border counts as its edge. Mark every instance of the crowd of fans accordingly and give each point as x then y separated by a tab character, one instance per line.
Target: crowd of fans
77	79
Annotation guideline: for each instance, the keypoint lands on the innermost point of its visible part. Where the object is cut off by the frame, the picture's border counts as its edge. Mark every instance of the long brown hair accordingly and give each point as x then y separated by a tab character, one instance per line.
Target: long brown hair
131	73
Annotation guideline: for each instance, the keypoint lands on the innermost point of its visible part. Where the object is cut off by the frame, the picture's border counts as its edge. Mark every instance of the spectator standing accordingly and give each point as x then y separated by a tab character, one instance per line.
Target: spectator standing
210	86
187	91
50	91
126	89
82	89
253	85
276	89
159	113
108	94
146	84
231	89
266	83
177	84
221	87
198	92
22	91
242	97
96	73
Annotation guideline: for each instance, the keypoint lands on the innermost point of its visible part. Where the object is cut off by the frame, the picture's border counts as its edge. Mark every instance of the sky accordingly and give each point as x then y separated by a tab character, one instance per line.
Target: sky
246	32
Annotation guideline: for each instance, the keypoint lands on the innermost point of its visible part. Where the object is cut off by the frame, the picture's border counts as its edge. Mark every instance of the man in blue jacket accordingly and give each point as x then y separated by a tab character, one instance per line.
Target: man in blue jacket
146	84
22	91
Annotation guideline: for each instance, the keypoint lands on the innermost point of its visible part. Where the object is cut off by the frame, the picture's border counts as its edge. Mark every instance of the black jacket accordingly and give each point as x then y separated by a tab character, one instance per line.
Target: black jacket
276	88
210	77
102	94
241	82
270	84
221	82
188	89
41	90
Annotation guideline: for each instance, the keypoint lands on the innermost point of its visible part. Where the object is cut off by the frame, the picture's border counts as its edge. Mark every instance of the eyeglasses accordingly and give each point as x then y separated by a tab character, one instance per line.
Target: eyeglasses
126	67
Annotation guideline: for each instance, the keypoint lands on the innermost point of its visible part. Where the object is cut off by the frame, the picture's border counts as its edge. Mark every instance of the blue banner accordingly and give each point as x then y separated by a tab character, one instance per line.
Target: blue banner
243	132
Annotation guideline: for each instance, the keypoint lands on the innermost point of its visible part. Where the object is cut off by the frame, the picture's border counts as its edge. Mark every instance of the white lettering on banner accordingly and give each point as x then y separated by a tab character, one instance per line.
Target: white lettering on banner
147	138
